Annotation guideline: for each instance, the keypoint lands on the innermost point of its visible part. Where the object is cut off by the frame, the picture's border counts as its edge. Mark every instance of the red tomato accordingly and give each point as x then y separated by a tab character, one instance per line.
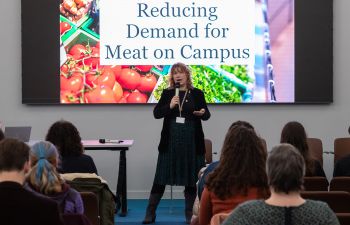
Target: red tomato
144	68
78	51
105	76
97	45
126	94
129	79
80	3
147	83
74	83
117	69
137	97
101	94
64	69
118	92
68	97
125	66
122	100
64	26
93	58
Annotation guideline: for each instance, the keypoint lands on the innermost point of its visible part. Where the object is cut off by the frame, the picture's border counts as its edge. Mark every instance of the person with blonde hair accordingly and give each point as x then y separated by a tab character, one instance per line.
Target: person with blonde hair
44	180
181	147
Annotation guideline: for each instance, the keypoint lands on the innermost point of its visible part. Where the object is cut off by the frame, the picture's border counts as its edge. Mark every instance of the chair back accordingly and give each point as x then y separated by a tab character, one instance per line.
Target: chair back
316	149
338	201
340	184
315	184
75	219
91	208
208	151
341	148
218	218
344	218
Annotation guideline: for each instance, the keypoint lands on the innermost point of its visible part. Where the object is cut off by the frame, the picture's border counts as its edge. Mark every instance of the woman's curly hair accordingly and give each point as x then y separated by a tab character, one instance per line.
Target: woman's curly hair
65	136
242	164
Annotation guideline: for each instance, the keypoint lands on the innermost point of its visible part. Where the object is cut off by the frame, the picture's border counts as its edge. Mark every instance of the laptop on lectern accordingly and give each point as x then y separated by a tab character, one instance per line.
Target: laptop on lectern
20	133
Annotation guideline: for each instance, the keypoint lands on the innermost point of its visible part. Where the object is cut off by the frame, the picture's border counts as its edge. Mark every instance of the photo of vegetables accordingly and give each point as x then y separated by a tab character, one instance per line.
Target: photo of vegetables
84	81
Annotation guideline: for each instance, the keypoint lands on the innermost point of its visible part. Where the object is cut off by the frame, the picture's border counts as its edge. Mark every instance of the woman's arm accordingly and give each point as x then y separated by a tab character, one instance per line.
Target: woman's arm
203	106
163	106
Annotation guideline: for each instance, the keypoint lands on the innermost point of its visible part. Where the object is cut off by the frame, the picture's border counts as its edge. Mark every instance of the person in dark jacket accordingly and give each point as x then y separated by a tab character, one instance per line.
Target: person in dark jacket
44	180
181	148
65	136
17	205
2	136
294	133
342	167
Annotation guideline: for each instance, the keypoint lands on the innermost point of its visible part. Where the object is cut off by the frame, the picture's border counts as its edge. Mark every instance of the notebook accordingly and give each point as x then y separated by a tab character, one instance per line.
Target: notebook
20	133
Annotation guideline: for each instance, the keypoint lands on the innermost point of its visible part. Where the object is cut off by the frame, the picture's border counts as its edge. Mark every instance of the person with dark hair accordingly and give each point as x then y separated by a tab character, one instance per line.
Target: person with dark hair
294	133
213	165
342	167
240	175
2	136
65	136
181	148
17	205
285	170
44	180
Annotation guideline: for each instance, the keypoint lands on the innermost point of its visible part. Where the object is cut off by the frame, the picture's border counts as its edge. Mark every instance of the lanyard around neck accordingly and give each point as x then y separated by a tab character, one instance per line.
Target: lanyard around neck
182	103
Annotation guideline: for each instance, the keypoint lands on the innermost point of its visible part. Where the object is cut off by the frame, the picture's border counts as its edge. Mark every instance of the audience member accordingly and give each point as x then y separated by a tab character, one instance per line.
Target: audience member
342	167
2	136
44	179
239	176
294	133
285	171
213	165
17	205
65	136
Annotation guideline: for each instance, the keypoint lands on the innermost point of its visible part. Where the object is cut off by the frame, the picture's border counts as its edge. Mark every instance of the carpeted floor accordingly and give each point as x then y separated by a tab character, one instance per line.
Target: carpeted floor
168	212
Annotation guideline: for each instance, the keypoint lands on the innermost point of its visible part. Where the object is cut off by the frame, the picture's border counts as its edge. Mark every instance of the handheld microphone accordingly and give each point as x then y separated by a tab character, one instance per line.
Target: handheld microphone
177	88
103	141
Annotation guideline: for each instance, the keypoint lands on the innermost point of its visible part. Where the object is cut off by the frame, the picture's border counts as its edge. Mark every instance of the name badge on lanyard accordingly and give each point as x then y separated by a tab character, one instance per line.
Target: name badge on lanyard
180	120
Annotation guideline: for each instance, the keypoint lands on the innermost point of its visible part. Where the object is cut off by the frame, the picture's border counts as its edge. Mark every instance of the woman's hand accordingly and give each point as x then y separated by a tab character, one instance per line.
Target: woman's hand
174	101
199	113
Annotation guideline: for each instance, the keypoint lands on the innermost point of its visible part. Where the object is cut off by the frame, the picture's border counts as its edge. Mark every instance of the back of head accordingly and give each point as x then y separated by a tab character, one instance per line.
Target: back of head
2	136
285	169
43	176
294	133
65	136
13	155
242	164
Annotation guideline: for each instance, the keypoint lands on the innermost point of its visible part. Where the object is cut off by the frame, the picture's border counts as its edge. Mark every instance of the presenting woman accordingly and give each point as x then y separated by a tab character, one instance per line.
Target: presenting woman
181	147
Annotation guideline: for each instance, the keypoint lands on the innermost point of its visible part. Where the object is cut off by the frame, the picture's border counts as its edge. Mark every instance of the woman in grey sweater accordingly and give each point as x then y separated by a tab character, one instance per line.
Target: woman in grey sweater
285	171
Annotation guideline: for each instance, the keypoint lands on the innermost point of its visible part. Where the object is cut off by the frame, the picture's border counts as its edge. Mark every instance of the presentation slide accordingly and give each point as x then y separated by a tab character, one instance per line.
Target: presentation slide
117	51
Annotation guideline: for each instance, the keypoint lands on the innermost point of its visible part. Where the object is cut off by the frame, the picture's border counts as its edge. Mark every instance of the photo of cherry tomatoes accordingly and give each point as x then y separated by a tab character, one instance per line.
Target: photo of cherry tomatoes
129	79
101	94
147	83
137	97
73	82
84	80
64	26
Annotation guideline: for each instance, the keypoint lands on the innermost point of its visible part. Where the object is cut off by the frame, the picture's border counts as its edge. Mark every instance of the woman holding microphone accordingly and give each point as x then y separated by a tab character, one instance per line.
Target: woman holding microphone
181	148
